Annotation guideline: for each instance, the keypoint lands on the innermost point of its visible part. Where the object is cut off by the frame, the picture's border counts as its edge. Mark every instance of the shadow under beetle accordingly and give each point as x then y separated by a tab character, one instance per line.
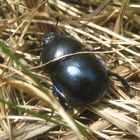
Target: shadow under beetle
78	78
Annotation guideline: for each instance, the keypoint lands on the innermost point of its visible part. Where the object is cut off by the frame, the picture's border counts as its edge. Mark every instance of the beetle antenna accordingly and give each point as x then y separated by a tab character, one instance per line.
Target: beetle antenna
57	21
123	81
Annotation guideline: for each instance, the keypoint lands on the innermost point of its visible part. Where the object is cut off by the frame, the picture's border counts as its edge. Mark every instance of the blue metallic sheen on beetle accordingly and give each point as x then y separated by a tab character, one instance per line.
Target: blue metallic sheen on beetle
81	78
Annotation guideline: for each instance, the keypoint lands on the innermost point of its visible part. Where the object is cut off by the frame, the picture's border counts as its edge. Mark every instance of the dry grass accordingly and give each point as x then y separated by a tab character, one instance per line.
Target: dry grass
28	109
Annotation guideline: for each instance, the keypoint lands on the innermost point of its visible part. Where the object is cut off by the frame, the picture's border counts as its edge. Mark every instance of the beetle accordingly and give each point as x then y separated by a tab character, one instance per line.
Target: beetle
79	78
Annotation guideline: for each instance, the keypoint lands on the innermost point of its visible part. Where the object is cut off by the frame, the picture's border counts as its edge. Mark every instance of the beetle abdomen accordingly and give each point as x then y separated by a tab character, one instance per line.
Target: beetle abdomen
82	78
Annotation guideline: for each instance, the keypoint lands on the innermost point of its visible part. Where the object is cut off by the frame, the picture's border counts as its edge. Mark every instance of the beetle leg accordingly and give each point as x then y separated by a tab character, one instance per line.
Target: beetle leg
123	81
61	97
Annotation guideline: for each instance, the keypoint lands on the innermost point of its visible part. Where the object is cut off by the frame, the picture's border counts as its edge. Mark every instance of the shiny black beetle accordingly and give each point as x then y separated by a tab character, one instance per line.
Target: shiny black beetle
79	78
